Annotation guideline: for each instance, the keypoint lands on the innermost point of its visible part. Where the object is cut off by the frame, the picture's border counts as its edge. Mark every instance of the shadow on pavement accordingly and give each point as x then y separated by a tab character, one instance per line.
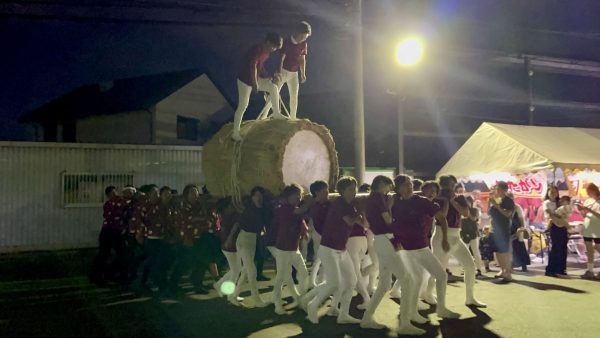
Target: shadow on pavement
547	287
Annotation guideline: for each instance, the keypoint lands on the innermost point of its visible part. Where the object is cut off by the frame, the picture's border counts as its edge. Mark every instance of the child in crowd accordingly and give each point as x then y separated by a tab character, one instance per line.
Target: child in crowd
486	247
563	213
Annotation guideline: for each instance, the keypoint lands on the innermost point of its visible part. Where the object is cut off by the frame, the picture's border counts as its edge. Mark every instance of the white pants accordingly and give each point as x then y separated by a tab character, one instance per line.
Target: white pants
316	238
390	263
291	79
246	248
422	260
244	92
458	250
284	261
339	277
371	271
235	269
357	248
474	245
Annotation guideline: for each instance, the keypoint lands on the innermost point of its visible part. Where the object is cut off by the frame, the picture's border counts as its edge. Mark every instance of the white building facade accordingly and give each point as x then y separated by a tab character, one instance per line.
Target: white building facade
52	193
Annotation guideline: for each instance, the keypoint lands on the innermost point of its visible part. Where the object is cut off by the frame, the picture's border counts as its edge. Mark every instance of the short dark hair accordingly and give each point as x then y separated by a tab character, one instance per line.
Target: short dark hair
365	187
446	179
291	189
188	188
401	179
502	185
380	180
257	189
417	184
550	187
566	198
303	27
458	186
431	184
317	186
593	188
344	182
223	203
109	189
165	188
474	211
147	187
275	39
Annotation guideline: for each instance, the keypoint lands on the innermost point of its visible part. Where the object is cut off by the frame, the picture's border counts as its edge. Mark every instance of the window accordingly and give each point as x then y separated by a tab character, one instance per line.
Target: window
87	189
187	128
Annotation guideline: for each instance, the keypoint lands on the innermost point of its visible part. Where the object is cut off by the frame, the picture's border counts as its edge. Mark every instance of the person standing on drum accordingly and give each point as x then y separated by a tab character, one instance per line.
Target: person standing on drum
253	77
292	66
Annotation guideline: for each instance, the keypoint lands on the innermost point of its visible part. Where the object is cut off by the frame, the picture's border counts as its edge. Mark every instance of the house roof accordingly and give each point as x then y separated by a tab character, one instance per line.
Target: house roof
123	95
520	149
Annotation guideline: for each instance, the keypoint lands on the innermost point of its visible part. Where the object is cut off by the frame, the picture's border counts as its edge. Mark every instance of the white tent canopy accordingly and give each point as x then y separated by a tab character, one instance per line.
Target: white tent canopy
523	149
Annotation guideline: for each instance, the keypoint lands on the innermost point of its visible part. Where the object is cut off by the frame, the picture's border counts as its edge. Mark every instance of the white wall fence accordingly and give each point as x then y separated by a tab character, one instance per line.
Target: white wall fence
51	193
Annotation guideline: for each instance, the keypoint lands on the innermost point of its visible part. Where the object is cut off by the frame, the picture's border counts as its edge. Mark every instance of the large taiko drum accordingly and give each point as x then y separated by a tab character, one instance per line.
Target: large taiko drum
273	153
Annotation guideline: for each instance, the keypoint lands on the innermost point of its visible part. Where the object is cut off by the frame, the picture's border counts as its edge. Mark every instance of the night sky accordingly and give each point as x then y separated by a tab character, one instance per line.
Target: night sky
46	56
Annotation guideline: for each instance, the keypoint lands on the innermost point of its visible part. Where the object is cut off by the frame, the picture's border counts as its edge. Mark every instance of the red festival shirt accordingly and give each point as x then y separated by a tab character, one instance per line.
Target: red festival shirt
157	220
293	54
377	205
290	228
453	216
336	230
256	56
318	213
113	213
412	219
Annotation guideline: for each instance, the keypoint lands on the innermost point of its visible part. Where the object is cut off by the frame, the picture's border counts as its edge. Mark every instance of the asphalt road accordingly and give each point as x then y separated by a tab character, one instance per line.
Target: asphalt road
532	306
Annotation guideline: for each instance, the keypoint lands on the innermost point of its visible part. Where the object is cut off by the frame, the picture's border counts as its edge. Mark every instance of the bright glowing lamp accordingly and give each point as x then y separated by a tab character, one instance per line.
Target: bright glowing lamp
409	52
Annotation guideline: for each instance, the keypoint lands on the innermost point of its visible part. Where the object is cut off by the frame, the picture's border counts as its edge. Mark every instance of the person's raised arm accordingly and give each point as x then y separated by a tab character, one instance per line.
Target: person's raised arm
351	220
309	201
508	213
461	206
583	210
386	213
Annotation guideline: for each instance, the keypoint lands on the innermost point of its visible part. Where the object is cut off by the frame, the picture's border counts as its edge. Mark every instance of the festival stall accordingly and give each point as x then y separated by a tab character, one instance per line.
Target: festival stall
529	158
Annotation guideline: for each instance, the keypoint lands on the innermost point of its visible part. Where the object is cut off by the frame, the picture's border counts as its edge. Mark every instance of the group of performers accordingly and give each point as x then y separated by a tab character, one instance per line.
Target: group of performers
401	235
359	244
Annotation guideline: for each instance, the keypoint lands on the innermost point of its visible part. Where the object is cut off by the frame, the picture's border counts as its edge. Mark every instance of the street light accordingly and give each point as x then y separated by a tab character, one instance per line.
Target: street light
409	52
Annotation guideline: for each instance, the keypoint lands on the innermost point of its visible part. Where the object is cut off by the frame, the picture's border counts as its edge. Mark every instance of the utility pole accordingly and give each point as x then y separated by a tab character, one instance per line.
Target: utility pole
359	107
